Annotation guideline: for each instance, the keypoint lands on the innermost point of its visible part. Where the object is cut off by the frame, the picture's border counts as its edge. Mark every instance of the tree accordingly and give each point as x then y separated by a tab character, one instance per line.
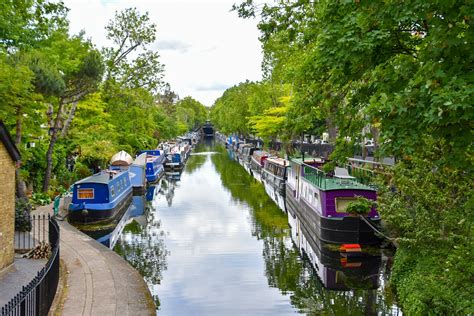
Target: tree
131	31
23	24
81	69
404	70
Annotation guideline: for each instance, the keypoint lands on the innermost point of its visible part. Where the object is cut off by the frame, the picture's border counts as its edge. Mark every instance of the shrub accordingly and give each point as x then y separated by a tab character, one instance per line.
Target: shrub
360	207
40	198
22	215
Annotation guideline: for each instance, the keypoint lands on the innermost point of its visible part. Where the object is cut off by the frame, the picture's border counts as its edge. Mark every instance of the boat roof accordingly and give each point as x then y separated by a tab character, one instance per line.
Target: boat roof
307	160
101	177
331	184
152	158
247	145
260	153
341	180
140	160
278	161
122	158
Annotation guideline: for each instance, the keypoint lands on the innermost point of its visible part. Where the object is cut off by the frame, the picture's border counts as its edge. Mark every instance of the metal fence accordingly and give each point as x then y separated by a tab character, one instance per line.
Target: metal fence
38	232
36	297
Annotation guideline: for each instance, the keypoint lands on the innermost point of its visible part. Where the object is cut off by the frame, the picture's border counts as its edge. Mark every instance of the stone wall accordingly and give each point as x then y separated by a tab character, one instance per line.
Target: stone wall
7	208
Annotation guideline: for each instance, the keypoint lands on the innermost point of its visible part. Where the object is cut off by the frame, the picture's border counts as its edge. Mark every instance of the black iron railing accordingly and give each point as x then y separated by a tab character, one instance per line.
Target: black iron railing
36	297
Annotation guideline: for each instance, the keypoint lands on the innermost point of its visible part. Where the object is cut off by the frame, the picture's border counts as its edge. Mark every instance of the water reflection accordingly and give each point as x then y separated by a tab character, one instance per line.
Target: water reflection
213	243
109	234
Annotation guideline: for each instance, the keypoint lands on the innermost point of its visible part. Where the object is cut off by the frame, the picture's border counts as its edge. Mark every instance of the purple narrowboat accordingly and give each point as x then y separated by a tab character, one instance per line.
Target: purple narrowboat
320	201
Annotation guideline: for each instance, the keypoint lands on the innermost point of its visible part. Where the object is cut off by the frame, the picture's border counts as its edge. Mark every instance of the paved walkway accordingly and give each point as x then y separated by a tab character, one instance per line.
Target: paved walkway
99	281
20	273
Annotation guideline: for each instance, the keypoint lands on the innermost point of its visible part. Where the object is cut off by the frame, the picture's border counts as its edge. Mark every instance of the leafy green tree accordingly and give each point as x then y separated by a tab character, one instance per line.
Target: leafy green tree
23	24
81	69
190	113
131	32
404	70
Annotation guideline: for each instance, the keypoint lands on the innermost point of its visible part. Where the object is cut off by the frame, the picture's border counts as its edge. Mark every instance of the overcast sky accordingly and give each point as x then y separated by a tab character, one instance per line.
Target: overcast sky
205	48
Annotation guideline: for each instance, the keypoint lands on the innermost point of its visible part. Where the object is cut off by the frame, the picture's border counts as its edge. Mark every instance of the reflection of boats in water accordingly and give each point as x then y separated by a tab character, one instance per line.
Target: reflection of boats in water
336	270
153	190
108	235
173	175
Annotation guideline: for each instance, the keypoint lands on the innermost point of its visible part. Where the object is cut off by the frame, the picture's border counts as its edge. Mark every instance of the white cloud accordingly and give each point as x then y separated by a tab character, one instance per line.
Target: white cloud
201	43
173	45
215	86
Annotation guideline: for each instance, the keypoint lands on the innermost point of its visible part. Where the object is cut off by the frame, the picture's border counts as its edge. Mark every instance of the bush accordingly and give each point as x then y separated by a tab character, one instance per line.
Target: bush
22	215
430	213
360	207
40	198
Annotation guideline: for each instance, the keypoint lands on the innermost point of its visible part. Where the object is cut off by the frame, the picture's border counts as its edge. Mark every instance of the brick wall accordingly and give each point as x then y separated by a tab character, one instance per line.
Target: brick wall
7	208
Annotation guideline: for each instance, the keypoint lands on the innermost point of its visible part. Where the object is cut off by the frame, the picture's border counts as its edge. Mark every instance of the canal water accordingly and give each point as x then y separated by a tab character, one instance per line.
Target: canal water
211	242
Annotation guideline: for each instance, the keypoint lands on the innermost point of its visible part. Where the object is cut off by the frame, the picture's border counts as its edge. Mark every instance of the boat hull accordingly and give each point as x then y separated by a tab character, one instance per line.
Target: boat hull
99	213
341	230
155	177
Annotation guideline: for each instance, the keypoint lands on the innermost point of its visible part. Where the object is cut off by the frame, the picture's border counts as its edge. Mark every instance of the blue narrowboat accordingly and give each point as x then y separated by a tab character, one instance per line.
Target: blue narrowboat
100	197
154	167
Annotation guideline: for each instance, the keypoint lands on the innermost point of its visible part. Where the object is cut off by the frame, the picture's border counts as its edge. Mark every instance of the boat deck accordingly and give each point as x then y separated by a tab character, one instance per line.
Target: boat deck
327	183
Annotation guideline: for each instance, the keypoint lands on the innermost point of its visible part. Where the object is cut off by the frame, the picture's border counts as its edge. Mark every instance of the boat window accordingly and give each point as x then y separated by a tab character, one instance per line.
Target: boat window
316	197
85	193
112	190
342	203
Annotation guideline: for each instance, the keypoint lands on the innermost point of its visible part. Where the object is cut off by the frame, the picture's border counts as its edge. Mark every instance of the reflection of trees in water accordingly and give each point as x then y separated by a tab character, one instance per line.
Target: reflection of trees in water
284	267
194	163
145	250
267	219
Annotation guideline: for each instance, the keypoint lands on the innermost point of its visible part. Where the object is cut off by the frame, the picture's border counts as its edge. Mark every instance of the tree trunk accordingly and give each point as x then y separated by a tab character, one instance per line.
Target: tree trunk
20	184
69	119
52	142
332	130
18	126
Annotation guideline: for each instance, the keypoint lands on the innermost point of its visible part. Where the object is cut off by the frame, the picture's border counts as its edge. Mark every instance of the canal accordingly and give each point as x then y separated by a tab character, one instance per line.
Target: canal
211	242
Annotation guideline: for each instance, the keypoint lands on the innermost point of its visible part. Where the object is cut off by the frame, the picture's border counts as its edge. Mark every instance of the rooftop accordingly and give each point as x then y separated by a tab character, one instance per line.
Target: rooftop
101	177
325	182
328	183
278	161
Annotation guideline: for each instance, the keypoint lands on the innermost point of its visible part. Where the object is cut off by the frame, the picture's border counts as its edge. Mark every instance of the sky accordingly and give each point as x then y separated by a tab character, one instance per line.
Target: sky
205	48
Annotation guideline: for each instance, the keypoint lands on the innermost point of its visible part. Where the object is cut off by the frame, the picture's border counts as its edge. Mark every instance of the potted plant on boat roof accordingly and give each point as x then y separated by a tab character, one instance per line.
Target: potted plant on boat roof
362	206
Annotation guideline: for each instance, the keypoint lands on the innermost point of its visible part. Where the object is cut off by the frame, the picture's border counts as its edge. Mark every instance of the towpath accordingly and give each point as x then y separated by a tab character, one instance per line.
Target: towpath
98	281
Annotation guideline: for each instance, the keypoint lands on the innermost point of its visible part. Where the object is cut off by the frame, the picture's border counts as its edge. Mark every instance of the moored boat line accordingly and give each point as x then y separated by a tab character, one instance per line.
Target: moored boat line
100	198
335	207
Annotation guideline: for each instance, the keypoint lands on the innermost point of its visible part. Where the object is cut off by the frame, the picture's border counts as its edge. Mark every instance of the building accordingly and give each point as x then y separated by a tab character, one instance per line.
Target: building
9	160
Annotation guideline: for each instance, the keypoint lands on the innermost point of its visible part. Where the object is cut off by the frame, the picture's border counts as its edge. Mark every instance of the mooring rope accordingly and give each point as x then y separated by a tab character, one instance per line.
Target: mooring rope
375	229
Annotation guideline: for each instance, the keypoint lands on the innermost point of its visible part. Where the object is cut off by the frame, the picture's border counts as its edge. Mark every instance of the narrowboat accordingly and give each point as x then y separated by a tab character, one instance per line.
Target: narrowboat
137	171
123	161
274	178
154	167
177	156
320	200
257	162
208	129
246	157
100	197
243	153
335	269
174	161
